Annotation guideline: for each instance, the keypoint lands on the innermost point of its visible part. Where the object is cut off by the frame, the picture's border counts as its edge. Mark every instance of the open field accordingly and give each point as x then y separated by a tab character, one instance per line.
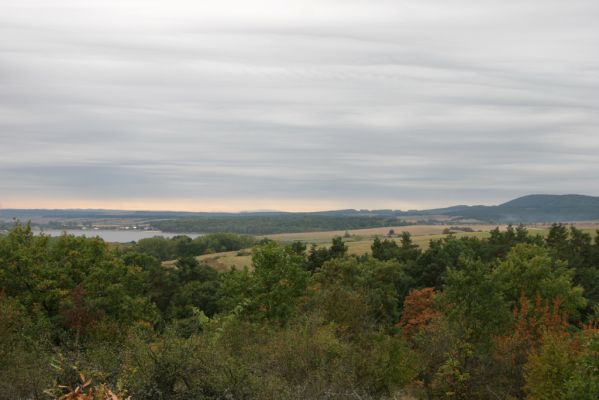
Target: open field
360	247
420	233
363	246
225	261
361	240
414	230
222	262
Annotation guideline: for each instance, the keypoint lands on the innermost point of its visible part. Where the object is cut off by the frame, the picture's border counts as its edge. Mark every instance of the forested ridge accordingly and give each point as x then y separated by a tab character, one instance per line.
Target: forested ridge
270	224
527	209
512	316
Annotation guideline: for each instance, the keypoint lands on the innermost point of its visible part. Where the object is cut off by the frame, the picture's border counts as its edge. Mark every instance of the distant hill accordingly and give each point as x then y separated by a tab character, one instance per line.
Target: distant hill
533	208
550	201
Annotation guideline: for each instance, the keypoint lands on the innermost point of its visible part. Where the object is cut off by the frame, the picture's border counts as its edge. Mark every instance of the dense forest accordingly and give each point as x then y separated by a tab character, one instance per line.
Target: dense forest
279	223
527	209
513	316
183	246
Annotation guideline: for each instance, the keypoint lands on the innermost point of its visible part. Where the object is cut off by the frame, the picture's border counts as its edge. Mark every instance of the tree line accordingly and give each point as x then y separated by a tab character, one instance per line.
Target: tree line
183	246
272	224
512	316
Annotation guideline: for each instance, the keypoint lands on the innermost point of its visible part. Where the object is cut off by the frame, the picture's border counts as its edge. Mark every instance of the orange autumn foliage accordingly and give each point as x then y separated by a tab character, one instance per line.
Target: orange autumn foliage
418	311
532	322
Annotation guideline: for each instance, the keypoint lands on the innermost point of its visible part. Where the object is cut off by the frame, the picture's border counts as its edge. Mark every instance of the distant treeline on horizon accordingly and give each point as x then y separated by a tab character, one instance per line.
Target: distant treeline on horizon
528	209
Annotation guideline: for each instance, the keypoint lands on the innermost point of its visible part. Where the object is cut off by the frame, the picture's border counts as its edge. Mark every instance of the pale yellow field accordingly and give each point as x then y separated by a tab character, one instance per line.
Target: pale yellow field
360	241
414	230
363	246
225	261
222	262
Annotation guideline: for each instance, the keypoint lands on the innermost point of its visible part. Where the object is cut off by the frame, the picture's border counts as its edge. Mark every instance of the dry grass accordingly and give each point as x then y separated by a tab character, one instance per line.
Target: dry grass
414	230
363	246
360	241
223	262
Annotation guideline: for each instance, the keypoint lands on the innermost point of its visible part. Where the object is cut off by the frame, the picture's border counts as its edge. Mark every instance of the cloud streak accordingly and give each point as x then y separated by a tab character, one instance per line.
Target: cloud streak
297	104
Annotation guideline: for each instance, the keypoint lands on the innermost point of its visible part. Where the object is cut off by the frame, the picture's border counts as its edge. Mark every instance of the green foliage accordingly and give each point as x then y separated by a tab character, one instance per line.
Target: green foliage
317	257
530	270
583	380
271	291
170	367
384	364
320	255
429	270
384	250
41	273
297	248
382	286
271	224
220	242
476	303
548	371
388	249
453	379
183	246
338	249
235	290
301	324
557	240
576	248
309	359
500	242
278	280
158	247
24	353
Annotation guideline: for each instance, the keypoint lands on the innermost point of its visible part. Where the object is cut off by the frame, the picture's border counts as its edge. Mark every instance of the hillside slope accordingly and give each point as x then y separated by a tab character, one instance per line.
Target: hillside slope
535	208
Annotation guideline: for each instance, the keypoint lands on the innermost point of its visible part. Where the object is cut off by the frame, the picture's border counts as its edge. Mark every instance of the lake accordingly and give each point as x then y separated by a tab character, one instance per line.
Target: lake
116	235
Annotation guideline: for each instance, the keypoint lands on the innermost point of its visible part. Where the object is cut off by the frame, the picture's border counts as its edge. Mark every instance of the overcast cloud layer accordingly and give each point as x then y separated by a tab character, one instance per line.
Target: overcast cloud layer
308	104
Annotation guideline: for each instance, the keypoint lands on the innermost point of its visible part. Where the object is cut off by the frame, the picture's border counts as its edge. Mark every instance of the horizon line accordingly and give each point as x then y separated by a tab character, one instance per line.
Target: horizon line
266	210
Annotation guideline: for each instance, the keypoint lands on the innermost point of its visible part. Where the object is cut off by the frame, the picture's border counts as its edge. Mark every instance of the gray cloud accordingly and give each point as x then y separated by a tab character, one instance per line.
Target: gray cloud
296	104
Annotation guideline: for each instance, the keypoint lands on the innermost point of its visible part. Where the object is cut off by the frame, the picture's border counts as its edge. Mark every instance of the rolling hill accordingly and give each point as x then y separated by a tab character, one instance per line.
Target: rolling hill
533	208
536	208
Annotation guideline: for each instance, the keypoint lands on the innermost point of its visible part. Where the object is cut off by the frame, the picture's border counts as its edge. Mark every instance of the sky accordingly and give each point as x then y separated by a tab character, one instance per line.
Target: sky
296	105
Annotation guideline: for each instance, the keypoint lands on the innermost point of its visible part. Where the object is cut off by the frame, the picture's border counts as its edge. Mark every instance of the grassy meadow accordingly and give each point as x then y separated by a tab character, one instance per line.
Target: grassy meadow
359	241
